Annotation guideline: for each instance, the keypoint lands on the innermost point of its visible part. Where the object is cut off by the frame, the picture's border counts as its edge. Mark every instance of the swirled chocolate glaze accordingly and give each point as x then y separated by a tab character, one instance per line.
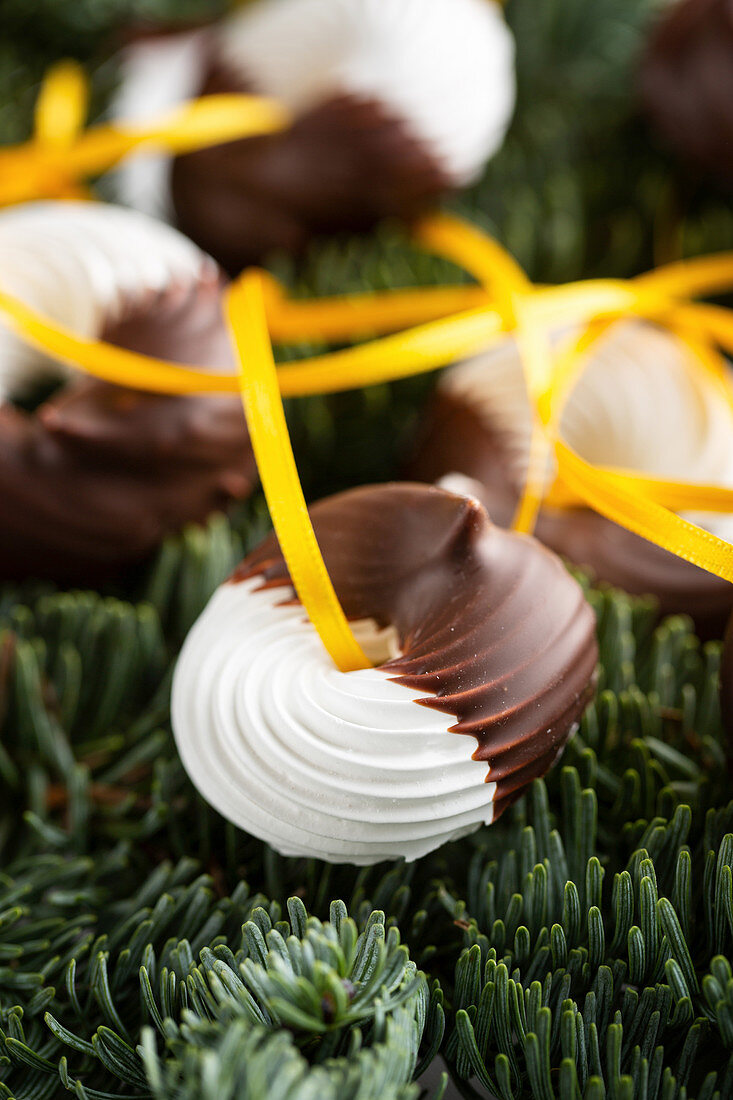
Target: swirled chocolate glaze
96	476
687	83
490	625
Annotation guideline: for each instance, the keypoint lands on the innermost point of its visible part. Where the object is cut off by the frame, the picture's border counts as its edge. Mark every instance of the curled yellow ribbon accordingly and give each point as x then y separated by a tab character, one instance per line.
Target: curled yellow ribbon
61	156
447	323
279	475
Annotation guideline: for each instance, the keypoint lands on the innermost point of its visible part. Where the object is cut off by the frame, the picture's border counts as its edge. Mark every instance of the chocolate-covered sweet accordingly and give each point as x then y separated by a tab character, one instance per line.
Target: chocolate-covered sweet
636	407
393	105
687	83
96	475
483	626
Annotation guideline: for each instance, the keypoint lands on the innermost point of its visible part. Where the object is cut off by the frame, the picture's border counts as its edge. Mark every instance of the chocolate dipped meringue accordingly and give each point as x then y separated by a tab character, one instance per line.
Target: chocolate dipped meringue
687	83
485	650
394	103
637	406
94	476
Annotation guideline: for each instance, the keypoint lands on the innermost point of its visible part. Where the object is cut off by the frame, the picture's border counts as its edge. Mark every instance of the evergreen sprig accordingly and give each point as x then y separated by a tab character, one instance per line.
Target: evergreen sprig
246	1063
582	980
352	1001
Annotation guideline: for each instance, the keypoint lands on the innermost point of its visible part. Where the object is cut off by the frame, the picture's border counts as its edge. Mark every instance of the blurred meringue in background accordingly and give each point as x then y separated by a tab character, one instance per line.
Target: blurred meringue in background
636	395
394	104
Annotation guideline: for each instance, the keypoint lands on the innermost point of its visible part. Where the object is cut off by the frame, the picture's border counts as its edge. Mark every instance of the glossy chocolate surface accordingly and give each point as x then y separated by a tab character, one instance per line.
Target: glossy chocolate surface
687	83
456	440
96	476
344	165
490	624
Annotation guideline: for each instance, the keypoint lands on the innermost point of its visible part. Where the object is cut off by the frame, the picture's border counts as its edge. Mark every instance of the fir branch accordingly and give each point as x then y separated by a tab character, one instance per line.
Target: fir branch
582	974
352	1002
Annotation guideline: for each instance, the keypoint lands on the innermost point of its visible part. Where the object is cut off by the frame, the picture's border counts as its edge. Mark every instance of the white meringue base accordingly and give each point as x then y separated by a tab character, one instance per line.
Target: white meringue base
637	406
445	67
81	264
157	75
345	767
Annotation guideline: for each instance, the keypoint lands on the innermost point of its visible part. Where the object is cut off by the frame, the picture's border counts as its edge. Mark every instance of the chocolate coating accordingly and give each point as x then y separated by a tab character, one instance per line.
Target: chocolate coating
456	439
687	83
490	624
96	476
343	166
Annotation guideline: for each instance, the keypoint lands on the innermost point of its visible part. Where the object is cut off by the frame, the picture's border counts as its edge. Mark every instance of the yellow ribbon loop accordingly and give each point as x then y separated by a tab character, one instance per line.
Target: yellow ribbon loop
415	351
62	105
471	249
274	454
622	498
107	362
61	155
345	317
691	278
60	112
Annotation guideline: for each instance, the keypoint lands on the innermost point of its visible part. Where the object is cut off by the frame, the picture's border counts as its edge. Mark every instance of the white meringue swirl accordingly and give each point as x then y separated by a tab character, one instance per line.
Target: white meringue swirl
445	67
81	264
637	406
345	767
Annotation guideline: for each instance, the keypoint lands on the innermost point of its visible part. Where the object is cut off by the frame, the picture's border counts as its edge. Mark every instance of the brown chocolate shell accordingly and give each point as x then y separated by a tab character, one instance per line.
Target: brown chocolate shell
344	165
687	84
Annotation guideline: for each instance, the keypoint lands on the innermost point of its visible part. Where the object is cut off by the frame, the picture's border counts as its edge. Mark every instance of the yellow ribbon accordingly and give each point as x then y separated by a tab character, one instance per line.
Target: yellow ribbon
448	323
61	155
279	475
493	267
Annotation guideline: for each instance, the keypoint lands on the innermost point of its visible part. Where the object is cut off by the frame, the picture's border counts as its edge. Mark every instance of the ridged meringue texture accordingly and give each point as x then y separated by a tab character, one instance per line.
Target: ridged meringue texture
84	265
488	658
637	406
395	102
94	477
